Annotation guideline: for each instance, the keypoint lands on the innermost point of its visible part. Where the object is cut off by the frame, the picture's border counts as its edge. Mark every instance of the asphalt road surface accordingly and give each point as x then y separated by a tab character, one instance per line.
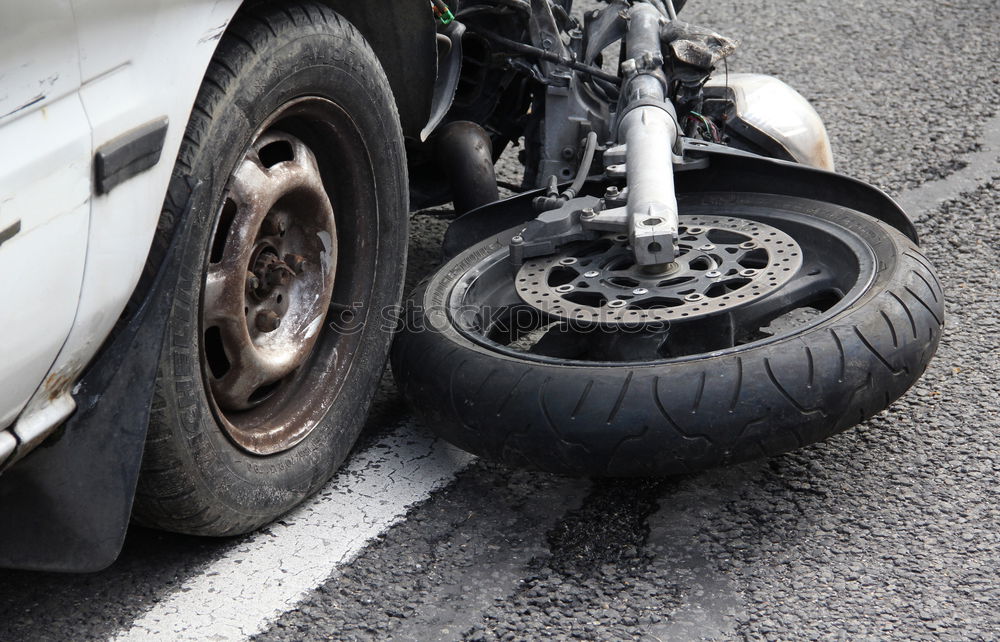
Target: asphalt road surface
891	530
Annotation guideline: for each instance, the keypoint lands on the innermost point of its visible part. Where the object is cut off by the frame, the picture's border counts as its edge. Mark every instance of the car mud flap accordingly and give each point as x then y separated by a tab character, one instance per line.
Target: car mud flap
66	505
727	170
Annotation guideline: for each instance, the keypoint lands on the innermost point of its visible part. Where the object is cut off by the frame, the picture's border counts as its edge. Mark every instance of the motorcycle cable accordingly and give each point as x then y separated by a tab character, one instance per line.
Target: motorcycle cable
528	50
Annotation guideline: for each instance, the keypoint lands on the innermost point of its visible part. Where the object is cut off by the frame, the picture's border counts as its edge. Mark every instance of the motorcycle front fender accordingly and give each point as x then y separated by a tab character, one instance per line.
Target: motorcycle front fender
719	169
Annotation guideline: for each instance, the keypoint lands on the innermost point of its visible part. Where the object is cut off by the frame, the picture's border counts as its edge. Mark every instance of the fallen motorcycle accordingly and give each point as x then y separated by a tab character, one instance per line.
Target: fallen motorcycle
684	281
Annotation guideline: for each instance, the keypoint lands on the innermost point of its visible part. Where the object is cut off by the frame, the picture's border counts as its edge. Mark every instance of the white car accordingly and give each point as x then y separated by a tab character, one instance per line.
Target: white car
186	189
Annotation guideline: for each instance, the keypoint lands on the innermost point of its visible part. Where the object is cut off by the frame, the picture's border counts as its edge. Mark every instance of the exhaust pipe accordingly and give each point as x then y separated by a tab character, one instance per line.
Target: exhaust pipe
466	153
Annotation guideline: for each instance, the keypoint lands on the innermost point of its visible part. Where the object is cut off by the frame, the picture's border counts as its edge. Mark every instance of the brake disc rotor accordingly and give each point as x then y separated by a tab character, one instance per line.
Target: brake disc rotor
721	263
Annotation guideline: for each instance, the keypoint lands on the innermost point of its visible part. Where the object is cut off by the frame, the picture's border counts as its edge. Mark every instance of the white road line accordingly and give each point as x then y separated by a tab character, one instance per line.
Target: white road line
981	166
237	595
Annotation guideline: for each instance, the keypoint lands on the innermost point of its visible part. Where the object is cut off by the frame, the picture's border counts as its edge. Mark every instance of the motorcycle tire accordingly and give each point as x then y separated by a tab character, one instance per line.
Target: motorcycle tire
703	409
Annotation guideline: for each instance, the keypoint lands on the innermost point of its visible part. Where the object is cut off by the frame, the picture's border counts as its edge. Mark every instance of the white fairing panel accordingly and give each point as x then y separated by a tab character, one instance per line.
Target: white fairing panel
44	194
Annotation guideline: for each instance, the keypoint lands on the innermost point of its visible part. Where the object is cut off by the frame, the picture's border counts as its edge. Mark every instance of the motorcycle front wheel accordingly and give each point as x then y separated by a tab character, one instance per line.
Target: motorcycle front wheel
783	321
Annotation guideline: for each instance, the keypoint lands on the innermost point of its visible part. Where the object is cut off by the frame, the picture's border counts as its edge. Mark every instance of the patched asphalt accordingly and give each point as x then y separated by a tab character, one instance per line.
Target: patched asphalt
891	529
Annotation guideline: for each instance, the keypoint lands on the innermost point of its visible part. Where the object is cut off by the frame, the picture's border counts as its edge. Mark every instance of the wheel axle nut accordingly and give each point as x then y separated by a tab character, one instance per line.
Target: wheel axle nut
268	321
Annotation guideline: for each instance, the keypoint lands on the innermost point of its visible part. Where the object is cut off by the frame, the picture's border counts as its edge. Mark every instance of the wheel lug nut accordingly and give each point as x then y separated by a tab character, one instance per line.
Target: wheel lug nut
268	321
252	281
296	262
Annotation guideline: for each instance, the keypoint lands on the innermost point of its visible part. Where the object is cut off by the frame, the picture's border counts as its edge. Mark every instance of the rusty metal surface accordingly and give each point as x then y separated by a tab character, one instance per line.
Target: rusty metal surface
268	285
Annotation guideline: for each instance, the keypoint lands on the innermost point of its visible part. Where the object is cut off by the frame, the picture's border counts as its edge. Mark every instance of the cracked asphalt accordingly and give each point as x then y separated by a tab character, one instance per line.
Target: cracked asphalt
890	530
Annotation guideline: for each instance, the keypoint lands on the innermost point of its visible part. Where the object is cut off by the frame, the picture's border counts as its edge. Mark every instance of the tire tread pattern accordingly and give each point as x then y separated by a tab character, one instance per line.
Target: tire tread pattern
680	417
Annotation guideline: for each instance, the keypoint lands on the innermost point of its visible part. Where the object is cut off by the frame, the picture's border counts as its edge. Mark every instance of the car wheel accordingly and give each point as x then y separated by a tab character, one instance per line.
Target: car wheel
294	172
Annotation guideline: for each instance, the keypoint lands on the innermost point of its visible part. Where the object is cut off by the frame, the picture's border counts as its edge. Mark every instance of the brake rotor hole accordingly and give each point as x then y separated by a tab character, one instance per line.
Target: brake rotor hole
561	275
754	259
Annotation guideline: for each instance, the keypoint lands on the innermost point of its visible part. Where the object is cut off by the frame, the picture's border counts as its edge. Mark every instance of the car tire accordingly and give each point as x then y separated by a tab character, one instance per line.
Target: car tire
293	169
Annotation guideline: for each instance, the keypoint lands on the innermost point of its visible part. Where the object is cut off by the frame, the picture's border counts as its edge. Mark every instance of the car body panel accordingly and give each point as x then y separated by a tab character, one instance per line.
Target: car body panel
127	82
44	194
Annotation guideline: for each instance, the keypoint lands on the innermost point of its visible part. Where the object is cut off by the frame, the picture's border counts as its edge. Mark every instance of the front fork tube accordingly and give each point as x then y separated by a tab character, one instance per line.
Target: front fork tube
650	134
649	131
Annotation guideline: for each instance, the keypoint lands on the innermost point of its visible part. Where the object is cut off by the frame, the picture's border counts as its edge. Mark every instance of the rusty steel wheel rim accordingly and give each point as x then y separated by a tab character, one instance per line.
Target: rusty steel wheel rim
271	273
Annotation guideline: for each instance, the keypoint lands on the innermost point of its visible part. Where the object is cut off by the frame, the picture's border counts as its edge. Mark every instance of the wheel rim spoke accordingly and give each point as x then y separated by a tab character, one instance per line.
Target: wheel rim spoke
235	388
798	293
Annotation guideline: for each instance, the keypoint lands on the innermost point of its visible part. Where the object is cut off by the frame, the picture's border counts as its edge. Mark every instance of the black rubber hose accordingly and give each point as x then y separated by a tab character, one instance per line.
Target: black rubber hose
466	153
584	170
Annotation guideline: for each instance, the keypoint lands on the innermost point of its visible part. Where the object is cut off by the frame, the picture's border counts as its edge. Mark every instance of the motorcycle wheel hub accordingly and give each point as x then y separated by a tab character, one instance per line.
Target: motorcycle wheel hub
721	263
